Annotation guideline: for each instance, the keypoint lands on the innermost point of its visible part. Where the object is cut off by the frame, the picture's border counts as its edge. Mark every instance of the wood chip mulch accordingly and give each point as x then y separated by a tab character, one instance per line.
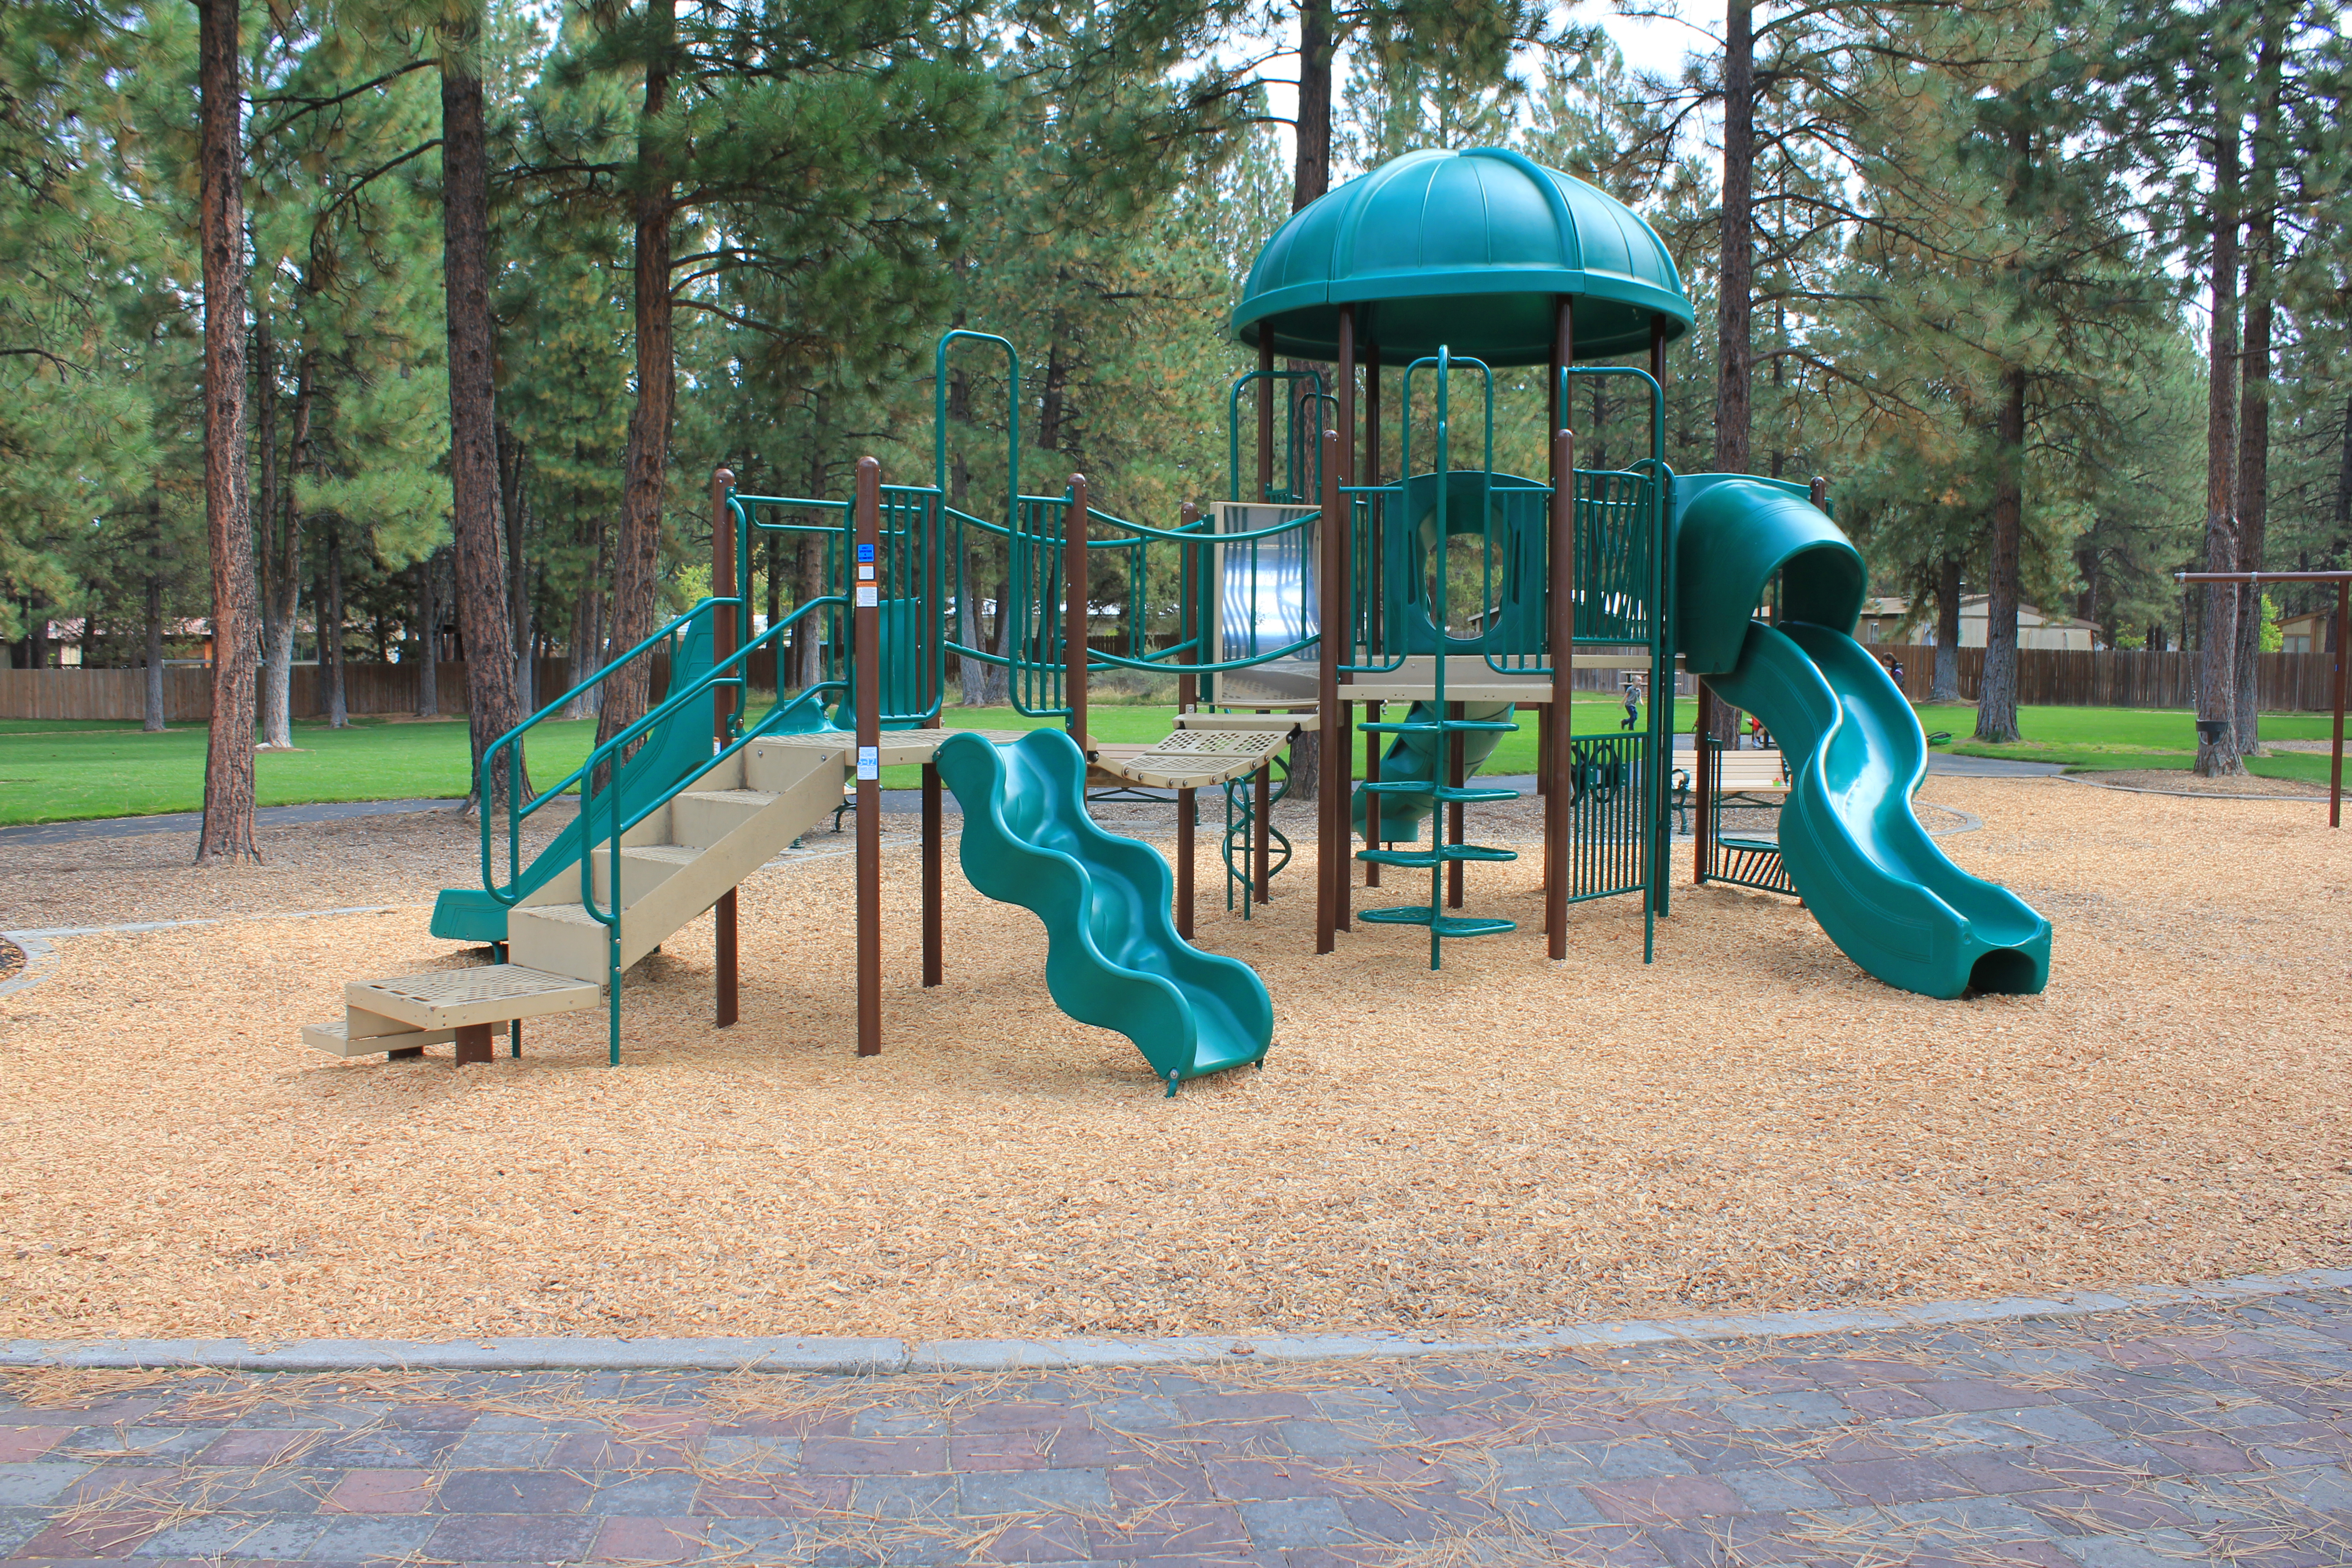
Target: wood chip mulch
1748	1123
2179	780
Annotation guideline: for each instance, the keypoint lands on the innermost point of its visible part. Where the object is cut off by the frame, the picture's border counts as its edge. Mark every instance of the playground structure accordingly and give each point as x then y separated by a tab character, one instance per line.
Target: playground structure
1327	579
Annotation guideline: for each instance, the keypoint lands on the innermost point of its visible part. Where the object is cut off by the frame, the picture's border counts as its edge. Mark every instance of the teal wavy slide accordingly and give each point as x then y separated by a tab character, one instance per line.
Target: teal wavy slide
1413	757
1866	870
1113	958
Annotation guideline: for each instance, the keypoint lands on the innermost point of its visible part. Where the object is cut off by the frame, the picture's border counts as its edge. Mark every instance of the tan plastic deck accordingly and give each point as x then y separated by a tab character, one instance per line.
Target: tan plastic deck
453	998
1194	759
334	1039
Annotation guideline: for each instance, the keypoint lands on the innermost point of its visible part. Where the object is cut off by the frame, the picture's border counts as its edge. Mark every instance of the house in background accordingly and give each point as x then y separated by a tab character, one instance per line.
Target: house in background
2313	633
1883	618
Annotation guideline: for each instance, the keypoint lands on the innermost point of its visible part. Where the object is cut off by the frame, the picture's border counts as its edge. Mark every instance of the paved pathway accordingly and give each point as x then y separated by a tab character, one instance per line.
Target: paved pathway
2158	1436
191	821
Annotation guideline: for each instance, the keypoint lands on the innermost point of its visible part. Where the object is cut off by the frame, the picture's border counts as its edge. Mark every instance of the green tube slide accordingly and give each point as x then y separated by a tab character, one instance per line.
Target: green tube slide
1113	958
1412	757
1866	870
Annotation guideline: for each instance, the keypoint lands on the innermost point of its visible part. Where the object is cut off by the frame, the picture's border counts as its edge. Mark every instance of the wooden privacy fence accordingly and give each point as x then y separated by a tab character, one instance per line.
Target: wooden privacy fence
368	688
2120	677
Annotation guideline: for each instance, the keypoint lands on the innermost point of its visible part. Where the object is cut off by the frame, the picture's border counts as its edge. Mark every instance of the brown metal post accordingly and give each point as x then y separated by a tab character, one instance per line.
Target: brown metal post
1340	591
1374	538
865	616
1187	808
1702	784
1330	833
724	641
473	1044
1658	349
2336	764
934	937
1818	491
1265	390
1074	612
1555	729
1560	716
1264	834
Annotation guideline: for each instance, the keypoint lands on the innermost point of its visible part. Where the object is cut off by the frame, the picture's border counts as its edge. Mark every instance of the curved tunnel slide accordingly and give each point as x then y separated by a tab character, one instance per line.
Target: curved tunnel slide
1412	757
1866	870
1113	958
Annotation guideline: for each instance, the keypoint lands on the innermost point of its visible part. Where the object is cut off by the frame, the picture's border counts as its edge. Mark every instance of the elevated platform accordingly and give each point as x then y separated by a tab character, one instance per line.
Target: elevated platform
1197	755
1468	679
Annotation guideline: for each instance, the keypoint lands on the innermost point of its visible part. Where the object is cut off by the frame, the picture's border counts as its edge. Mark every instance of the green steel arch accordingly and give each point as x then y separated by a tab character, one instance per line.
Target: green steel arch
1465	248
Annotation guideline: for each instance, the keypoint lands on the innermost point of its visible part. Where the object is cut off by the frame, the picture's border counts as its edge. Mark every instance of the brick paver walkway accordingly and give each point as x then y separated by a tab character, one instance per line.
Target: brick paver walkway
2160	1436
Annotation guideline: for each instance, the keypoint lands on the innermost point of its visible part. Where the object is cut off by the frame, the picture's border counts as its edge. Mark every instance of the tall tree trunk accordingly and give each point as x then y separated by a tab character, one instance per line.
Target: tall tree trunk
154	716
490	705
2252	483
1049	403
266	502
227	834
1734	350
1997	688
515	493
2253	478
331	631
281	560
428	622
588	631
808	663
2216	685
1311	174
638	553
1946	687
2343	474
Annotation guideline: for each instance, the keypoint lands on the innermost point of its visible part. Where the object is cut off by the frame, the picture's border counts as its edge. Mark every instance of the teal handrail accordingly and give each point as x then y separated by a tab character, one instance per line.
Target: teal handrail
513	738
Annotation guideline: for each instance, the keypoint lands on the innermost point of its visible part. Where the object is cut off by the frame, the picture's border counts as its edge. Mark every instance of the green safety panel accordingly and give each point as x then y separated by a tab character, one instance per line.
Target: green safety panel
903	704
1415	756
672	752
1520	511
1857	856
1113	958
1468	250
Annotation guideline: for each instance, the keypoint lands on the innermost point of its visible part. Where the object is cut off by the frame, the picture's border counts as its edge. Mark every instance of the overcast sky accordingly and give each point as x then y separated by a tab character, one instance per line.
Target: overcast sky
1649	44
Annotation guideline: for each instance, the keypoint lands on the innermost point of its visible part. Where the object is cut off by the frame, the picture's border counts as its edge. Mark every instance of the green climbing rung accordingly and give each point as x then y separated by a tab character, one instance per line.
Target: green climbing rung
1439	727
1423	859
1446	925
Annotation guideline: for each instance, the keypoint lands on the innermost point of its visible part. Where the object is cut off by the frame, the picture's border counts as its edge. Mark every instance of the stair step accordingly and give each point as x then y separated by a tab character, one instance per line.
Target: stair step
336	1040
700	817
666	853
1447	925
489	994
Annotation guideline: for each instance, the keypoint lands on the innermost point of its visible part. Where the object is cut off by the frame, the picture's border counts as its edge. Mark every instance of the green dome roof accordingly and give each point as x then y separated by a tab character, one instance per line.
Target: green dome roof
1467	250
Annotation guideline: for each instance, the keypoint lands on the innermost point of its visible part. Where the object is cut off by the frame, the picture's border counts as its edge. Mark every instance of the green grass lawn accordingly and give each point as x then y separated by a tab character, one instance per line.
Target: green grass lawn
54	770
2098	738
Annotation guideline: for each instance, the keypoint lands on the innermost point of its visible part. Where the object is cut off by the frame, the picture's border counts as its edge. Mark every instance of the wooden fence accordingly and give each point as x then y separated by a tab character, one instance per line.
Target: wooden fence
368	688
2120	677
